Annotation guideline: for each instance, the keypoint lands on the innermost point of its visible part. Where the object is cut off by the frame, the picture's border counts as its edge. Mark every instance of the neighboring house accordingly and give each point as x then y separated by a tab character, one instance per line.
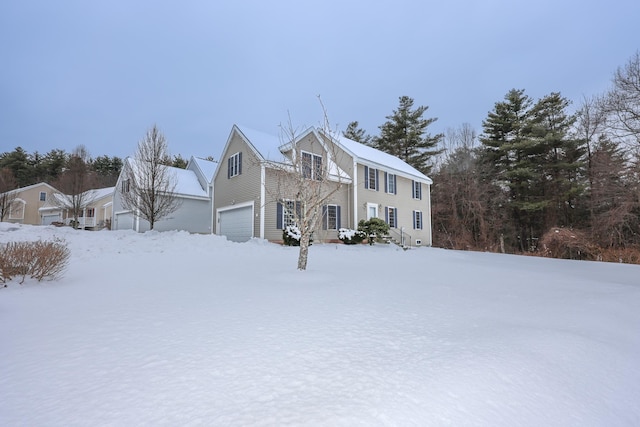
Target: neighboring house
194	190
95	213
25	208
374	184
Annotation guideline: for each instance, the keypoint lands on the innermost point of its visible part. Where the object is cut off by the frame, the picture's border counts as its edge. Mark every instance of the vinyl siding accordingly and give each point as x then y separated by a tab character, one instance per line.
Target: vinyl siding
241	188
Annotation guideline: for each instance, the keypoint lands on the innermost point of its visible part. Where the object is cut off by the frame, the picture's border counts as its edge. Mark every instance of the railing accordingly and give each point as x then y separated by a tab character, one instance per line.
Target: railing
401	237
83	222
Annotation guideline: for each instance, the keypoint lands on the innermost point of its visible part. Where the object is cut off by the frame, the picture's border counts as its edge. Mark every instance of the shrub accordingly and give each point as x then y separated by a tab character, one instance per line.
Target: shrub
291	236
374	229
38	260
567	244
351	237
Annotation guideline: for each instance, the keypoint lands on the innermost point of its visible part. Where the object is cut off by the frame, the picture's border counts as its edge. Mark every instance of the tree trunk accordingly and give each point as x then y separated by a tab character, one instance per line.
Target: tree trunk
304	251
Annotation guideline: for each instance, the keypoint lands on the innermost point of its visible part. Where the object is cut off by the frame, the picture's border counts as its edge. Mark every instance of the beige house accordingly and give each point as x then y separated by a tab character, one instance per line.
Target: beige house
95	214
25	207
249	201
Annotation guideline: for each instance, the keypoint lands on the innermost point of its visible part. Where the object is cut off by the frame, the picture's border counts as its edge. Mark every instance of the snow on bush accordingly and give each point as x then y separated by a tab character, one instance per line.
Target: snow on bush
38	260
350	237
291	235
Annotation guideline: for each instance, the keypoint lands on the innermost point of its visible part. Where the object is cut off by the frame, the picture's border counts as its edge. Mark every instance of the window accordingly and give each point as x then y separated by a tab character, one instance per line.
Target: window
390	183
234	165
286	213
417	220
330	217
392	216
43	196
370	178
311	166
372	211
417	190
16	209
91	212
125	186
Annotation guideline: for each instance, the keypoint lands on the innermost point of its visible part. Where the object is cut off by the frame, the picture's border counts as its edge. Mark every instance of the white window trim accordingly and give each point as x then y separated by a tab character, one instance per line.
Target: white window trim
335	207
313	173
40	198
391	181
235	165
24	204
375	206
285	209
375	179
388	215
418	214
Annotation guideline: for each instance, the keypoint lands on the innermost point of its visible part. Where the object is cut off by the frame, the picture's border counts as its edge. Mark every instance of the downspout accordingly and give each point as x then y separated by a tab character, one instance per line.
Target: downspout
263	190
212	206
429	213
355	195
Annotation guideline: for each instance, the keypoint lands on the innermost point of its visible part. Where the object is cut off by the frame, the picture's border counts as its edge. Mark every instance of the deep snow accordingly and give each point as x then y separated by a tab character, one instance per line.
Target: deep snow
178	329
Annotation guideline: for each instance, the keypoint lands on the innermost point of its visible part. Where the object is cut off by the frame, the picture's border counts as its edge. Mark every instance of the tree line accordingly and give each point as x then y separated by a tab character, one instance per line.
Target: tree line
536	170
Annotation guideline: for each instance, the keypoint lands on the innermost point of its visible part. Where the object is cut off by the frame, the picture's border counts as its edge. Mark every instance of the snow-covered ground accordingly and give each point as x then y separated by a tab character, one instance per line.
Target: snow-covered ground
178	329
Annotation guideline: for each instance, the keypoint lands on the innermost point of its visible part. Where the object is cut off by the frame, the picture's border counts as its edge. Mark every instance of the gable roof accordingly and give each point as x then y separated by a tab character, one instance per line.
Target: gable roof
30	187
264	144
187	183
207	167
376	157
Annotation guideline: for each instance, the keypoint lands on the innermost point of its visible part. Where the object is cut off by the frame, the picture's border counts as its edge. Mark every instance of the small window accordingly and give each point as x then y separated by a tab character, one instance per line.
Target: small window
125	186
43	196
91	212
392	216
234	165
417	190
390	183
286	213
331	217
372	211
417	220
311	166
370	178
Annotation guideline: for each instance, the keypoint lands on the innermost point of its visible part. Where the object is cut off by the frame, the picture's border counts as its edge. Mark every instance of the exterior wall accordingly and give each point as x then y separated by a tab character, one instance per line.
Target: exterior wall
403	201
193	215
31	195
242	188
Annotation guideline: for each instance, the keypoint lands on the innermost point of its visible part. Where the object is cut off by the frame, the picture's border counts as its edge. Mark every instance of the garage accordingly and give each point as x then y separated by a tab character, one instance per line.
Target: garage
48	219
236	223
123	221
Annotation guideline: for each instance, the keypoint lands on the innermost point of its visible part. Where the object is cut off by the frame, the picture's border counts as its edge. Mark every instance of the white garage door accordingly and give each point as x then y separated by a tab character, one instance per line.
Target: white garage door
236	224
124	221
48	219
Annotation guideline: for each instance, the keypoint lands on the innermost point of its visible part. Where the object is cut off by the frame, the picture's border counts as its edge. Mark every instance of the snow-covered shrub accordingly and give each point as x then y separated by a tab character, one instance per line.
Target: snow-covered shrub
38	260
291	235
375	228
351	237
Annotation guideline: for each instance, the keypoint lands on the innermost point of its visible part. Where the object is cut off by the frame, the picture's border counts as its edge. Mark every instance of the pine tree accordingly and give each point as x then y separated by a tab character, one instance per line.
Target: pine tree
355	133
404	136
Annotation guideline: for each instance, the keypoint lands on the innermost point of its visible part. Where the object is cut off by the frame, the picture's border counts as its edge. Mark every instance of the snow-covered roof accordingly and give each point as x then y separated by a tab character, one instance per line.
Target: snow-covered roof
207	167
378	158
99	193
265	144
187	183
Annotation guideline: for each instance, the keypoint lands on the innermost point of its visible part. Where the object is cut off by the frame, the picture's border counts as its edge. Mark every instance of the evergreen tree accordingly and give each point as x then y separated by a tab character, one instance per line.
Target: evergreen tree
354	133
18	161
404	136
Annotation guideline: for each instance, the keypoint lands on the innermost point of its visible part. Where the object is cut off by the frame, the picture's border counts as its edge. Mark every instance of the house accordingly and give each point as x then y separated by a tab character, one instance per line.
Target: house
371	183
194	190
95	211
26	204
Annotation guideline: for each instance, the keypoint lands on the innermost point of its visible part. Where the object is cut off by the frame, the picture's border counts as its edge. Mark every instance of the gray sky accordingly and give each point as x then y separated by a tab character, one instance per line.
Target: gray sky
102	73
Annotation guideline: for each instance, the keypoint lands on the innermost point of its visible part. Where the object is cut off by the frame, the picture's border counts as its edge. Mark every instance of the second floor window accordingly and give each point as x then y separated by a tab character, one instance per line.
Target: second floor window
125	186
311	166
43	196
417	190
234	165
370	178
390	183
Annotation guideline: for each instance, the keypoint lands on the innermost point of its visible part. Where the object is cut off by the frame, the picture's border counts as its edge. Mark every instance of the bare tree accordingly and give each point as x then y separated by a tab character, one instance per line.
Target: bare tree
151	184
74	183
623	101
7	183
309	181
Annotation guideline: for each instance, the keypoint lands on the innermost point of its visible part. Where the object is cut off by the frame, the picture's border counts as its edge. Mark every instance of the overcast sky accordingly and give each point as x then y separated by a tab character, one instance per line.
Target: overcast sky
102	73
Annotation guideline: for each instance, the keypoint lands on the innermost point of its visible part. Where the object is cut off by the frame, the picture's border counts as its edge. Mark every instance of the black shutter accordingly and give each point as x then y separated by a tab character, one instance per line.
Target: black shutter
377	180
338	222
366	177
386	179
279	216
240	163
229	168
395	185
